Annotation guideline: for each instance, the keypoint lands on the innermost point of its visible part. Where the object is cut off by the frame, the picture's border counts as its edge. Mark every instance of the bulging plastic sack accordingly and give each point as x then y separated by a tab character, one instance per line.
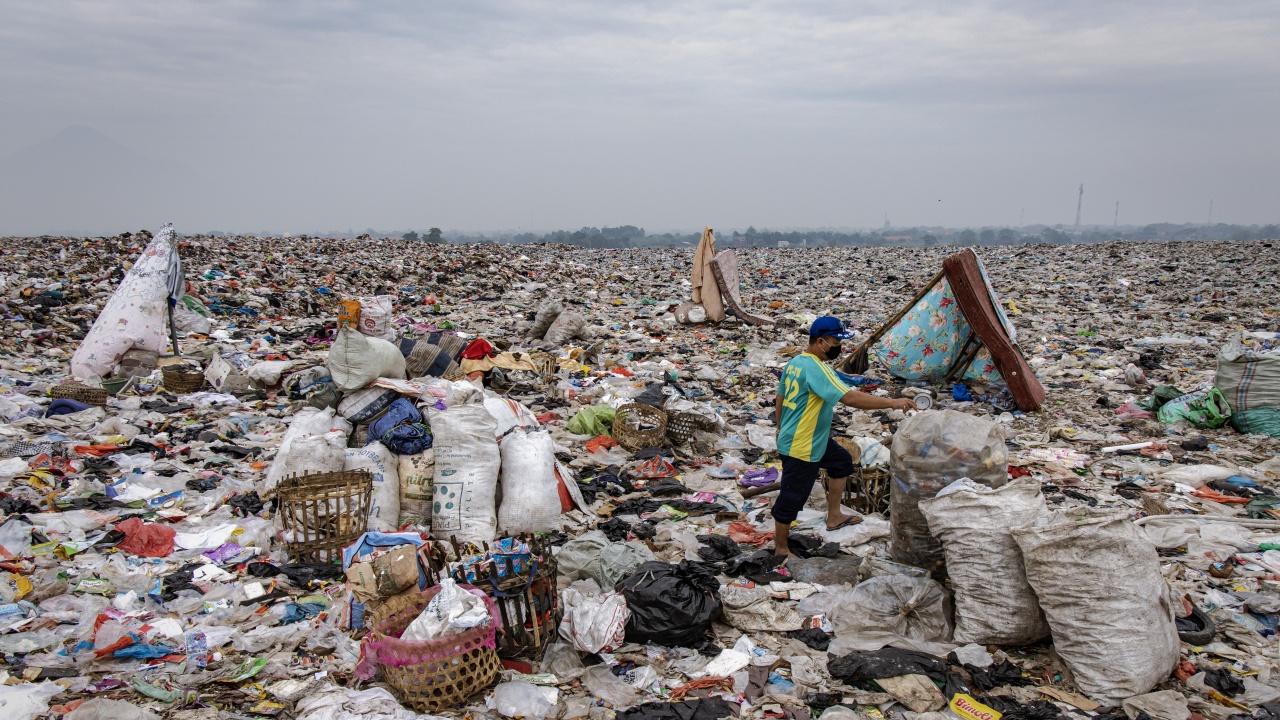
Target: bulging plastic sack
931	450
530	492
384	504
416	475
592	556
375	316
1099	583
594	623
569	325
355	360
670	604
308	422
994	603
466	473
893	610
134	316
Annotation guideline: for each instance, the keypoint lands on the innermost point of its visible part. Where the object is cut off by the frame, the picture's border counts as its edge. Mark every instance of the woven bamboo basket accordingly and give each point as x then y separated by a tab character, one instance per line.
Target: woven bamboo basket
324	512
526	600
867	490
437	675
81	393
182	378
544	363
682	425
637	426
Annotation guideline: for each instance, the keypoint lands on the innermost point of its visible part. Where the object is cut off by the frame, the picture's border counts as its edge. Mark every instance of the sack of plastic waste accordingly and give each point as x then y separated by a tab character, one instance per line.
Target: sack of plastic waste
1098	580
930	451
466	473
994	603
530	491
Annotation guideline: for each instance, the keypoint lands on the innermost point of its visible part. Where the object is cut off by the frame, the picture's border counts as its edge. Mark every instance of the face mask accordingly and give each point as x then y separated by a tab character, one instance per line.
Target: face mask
833	352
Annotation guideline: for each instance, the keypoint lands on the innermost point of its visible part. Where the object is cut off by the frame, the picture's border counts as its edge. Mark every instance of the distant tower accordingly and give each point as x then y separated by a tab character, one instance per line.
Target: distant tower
1079	204
1116	222
886	221
1210	220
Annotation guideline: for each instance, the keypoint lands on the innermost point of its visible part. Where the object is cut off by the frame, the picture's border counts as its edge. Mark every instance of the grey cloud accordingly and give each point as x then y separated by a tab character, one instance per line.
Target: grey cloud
327	115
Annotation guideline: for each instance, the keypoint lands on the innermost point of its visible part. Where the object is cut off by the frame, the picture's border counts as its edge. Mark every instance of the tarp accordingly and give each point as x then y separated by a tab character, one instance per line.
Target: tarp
725	268
931	336
705	290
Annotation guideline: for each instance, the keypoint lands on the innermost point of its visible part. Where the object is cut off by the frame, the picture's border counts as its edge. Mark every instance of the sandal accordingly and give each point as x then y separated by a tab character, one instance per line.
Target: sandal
851	521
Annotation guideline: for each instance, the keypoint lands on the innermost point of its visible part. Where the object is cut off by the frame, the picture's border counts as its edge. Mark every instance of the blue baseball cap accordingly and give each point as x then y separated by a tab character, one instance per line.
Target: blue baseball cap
828	326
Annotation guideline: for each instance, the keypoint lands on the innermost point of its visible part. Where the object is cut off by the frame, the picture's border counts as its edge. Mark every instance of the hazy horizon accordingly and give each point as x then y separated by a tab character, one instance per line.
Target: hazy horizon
323	116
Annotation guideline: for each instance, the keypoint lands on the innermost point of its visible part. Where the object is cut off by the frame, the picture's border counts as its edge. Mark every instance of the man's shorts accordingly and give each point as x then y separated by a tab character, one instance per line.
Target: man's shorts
798	477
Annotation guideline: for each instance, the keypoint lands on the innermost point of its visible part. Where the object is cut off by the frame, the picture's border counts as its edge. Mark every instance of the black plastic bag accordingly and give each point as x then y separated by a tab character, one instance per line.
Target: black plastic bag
813	637
670	604
616	529
698	709
859	668
718	548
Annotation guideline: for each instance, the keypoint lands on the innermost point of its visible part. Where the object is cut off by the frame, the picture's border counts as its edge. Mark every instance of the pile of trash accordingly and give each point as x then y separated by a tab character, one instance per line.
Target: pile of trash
379	479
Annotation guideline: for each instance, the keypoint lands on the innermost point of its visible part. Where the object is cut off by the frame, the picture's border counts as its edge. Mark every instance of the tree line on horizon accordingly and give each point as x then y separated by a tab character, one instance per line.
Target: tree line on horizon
630	236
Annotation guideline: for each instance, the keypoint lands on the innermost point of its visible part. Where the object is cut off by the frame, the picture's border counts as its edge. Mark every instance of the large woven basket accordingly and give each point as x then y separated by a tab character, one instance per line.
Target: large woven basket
81	393
682	425
182	378
637	426
436	675
324	512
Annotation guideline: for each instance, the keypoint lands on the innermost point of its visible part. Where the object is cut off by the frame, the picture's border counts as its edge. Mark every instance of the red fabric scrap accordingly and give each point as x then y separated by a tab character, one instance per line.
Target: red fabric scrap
600	442
146	540
478	349
744	532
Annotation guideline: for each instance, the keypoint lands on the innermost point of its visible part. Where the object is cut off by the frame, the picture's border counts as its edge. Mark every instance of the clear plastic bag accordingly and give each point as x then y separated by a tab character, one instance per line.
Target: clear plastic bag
931	450
520	698
898	610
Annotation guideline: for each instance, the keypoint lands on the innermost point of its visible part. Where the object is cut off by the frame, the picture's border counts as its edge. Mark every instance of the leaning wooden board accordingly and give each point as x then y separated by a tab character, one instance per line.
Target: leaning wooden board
724	266
971	294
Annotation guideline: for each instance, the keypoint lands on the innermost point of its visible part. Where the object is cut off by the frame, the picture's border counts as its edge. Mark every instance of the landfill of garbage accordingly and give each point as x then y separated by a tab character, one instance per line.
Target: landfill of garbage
324	479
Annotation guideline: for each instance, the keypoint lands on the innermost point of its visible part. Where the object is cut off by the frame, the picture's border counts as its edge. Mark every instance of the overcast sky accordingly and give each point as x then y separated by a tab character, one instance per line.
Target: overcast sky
318	115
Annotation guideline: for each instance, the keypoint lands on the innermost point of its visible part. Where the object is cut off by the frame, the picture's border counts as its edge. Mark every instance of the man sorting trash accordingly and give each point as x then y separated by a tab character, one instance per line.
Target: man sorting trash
807	395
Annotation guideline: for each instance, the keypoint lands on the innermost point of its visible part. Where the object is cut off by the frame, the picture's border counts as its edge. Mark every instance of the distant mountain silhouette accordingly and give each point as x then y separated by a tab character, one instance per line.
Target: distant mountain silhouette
83	182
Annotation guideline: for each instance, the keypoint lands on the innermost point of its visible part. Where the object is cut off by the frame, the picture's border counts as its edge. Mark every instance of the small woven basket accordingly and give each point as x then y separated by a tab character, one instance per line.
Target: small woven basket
867	490
544	363
682	425
435	675
81	393
324	512
637	426
182	378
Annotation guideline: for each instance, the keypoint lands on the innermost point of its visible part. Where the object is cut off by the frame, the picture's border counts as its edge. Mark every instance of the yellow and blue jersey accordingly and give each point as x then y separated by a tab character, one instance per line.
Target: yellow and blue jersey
810	391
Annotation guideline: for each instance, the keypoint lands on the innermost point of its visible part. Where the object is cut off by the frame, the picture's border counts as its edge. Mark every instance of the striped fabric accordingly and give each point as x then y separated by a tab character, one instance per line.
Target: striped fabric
435	355
175	281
